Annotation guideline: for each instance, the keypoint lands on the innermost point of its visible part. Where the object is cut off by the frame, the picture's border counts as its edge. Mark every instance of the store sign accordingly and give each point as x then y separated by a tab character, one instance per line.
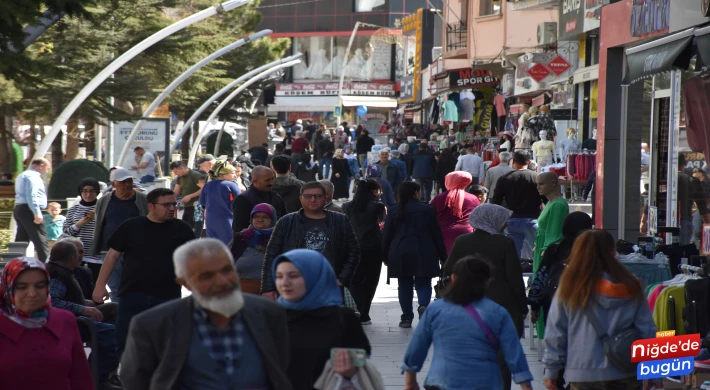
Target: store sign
406	86
539	72
473	78
154	136
593	13
331	89
558	65
648	16
571	21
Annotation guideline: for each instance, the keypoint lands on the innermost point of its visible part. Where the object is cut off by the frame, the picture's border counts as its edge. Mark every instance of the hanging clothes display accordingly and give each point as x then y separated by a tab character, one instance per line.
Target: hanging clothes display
467	103
696	100
543	152
580	165
451	112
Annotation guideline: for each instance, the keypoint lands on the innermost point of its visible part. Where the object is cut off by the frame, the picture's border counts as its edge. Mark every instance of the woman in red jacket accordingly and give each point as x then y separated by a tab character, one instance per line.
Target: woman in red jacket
34	335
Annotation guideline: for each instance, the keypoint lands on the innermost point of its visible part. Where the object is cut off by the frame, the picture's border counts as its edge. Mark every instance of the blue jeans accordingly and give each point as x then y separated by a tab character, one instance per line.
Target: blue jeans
147	179
406	294
132	304
114	280
522	230
324	164
427	185
108	354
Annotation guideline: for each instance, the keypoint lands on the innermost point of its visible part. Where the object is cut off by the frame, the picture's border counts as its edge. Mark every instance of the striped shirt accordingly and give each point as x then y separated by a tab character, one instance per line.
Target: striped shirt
86	232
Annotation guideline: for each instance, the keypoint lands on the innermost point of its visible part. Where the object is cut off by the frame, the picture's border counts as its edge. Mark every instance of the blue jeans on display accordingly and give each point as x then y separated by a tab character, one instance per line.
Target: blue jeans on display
132	304
114	280
147	179
108	354
427	185
522	230
324	166
406	294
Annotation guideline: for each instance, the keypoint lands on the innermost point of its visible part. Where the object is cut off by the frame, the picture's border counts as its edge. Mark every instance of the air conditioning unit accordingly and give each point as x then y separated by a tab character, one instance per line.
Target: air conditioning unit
436	53
546	33
505	64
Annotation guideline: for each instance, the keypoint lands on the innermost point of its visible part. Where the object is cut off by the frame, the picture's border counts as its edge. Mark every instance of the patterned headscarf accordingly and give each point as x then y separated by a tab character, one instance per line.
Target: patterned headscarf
220	168
7	293
490	218
456	182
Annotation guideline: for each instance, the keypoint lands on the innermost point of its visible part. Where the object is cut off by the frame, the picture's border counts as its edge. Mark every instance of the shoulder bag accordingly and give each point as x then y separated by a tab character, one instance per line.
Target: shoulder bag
489	334
617	347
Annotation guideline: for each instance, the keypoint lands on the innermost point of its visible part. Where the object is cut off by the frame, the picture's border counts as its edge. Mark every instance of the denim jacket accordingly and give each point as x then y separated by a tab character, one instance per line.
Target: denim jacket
463	357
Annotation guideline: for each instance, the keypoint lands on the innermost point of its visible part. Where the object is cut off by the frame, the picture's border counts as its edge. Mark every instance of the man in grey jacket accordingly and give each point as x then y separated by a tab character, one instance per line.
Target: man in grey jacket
216	338
497	172
112	210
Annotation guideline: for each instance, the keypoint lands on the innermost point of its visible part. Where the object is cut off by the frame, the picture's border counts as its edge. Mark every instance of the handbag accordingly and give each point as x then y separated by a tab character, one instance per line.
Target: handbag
489	335
617	347
348	300
441	285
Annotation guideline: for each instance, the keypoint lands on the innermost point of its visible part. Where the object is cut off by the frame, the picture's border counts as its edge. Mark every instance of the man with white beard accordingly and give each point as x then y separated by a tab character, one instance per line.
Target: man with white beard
218	338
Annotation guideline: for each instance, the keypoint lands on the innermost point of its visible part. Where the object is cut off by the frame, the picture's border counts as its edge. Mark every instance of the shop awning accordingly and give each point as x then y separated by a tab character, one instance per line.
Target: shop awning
590	73
659	56
369	101
702	37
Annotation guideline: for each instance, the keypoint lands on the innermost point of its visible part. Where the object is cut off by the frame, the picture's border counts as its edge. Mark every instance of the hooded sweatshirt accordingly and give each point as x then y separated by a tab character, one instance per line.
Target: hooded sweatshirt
290	189
572	343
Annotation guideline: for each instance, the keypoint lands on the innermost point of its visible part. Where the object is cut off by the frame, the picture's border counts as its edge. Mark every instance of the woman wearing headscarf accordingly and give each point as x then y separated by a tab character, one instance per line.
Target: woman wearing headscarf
454	206
352	161
341	139
216	198
488	242
249	246
317	321
341	176
35	336
80	221
444	165
374	171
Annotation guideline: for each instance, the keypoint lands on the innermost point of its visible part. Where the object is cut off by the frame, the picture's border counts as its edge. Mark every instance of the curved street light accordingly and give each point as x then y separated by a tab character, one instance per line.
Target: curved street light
120	61
196	144
208	102
170	88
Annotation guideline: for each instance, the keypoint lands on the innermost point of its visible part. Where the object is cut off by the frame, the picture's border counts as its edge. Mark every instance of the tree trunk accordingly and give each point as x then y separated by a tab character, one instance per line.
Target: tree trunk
185	144
5	146
32	141
72	140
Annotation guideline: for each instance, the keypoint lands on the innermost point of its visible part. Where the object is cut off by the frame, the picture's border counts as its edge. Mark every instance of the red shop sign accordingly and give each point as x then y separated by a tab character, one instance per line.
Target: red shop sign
538	72
559	65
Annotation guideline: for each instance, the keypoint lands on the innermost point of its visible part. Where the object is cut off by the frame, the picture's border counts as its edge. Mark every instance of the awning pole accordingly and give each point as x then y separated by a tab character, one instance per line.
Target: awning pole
345	65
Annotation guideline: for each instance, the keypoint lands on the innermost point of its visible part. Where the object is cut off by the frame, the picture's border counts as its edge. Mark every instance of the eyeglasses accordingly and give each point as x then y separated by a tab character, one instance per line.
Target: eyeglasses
167	205
88	192
313	196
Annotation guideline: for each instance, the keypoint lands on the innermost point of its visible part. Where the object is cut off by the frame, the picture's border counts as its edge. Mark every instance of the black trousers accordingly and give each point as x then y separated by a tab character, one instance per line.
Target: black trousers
188	215
365	281
28	230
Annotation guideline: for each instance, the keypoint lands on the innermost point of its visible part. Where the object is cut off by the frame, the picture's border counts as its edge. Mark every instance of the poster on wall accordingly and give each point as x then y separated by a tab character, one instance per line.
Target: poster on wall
154	137
593	13
649	16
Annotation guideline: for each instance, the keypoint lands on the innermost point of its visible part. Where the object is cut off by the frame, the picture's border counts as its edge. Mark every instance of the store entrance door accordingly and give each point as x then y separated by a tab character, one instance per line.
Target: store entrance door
657	176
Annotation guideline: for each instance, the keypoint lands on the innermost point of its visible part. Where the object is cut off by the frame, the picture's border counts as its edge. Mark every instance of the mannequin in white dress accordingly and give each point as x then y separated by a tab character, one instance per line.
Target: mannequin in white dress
299	71
336	66
318	65
543	150
357	66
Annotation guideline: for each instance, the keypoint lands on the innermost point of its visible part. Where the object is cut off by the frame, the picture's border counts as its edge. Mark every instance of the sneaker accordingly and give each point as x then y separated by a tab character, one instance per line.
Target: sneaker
420	310
405	323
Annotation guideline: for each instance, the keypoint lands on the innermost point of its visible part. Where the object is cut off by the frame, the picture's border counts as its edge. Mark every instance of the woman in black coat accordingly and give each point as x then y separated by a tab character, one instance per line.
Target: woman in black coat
365	213
413	247
341	176
444	165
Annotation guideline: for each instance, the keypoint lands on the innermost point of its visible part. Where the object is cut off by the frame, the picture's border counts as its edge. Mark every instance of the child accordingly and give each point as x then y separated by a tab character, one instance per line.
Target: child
480	191
199	210
54	222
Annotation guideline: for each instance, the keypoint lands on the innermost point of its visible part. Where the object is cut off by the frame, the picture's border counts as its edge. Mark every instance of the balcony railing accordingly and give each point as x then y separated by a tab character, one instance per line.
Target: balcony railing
456	36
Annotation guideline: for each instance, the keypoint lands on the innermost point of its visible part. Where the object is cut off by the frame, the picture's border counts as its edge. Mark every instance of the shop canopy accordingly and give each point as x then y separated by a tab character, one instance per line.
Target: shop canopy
659	56
702	36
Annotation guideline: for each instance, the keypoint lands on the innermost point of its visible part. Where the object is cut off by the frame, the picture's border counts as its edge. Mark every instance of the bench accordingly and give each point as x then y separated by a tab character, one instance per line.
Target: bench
7	192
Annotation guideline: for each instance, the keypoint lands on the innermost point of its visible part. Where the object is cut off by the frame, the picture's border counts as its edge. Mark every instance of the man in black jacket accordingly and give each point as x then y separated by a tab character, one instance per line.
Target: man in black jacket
259	192
315	228
362	147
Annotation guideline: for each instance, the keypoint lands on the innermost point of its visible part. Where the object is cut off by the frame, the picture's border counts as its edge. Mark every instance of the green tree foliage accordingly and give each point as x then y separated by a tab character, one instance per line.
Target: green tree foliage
68	175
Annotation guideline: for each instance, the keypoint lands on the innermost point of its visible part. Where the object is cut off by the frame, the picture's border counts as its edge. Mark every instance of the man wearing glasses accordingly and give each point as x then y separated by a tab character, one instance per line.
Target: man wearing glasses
147	244
313	227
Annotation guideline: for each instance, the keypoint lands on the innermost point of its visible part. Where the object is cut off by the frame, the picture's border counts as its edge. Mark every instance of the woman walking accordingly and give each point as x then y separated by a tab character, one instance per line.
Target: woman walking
341	176
595	287
468	331
365	213
216	198
488	242
317	322
413	247
454	206
80	222
249	246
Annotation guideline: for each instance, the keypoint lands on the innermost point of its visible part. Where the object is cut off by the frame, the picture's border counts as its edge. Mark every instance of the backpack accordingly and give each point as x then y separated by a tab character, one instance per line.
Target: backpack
553	281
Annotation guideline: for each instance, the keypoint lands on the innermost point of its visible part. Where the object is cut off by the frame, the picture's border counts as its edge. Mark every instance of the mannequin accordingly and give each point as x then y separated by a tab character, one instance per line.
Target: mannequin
357	66
299	71
549	224
524	116
591	144
545	122
335	66
569	144
543	150
318	65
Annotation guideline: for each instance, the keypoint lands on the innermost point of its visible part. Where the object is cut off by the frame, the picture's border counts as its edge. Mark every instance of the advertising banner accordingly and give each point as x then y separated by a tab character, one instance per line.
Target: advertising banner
154	137
472	78
331	89
571	21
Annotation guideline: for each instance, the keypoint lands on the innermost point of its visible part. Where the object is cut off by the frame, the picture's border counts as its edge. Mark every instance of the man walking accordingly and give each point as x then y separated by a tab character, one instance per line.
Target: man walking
497	172
315	228
30	199
518	189
285	184
259	192
146	168
390	172
147	244
363	145
217	338
187	186
298	147
423	168
473	164
205	164
329	190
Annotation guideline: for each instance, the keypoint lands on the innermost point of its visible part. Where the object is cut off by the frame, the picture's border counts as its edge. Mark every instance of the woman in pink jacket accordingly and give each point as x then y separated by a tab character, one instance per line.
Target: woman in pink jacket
40	346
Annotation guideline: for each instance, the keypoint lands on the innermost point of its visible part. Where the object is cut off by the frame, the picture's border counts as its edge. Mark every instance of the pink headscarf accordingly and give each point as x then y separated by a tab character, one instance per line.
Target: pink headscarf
456	182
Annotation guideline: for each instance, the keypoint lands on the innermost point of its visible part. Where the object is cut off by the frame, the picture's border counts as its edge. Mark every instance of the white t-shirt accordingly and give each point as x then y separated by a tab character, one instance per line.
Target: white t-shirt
149	170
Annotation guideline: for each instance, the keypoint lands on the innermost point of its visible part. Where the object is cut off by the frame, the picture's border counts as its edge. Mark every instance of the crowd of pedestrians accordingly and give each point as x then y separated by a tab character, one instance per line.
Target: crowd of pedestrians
272	273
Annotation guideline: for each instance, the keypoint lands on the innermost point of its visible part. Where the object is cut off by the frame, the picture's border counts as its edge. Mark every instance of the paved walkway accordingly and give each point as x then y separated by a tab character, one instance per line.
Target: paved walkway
389	341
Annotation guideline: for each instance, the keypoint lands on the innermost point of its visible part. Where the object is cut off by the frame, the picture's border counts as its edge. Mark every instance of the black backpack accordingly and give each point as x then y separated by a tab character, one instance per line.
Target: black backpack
553	281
